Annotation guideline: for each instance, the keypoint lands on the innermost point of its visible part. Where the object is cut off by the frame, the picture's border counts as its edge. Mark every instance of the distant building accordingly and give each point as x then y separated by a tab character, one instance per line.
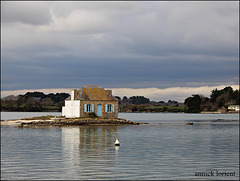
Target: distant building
38	99
233	107
88	99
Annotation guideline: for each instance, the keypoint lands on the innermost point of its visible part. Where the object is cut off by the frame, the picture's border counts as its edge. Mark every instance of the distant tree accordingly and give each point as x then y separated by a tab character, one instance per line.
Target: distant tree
214	94
52	96
228	91
32	105
172	102
35	94
224	97
139	100
33	101
193	104
119	99
236	97
125	100
61	96
10	98
21	100
47	102
8	101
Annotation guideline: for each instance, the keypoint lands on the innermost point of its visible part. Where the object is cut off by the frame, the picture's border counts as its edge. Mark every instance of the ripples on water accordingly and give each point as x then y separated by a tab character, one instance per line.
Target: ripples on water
166	148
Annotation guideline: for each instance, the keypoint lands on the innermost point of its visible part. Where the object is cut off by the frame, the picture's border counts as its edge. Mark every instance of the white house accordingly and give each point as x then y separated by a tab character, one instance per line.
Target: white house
233	107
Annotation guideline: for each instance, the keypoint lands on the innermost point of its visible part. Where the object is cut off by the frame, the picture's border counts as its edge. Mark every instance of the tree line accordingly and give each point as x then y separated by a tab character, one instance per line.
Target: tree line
38	101
143	104
34	101
219	100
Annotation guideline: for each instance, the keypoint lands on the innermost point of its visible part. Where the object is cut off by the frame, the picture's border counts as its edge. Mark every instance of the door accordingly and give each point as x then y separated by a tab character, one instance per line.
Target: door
99	110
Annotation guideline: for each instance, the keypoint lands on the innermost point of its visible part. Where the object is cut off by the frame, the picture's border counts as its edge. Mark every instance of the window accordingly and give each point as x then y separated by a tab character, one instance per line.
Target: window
109	108
88	107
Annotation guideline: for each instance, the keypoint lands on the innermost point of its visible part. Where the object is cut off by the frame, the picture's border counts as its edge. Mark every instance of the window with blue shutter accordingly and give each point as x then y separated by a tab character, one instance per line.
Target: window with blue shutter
88	107
109	108
92	107
85	107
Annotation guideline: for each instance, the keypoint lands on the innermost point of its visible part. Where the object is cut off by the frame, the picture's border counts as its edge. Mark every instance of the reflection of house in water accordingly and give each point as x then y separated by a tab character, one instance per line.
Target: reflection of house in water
85	136
70	140
93	138
89	147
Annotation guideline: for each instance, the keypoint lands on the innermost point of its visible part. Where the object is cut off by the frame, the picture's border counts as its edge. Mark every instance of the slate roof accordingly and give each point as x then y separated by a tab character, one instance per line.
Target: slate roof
93	93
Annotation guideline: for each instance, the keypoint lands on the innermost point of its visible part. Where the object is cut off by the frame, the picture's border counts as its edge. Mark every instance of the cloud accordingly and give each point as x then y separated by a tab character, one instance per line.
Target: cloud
79	21
33	13
155	94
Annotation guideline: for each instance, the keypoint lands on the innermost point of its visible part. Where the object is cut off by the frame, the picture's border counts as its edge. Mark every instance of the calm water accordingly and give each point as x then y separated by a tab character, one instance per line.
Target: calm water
166	148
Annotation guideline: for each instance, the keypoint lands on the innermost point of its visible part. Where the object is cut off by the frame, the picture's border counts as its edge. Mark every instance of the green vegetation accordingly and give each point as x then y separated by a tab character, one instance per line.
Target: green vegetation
151	108
92	115
34	102
142	104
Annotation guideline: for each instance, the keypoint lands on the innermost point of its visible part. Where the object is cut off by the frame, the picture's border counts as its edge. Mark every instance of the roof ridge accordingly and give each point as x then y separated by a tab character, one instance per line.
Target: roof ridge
92	86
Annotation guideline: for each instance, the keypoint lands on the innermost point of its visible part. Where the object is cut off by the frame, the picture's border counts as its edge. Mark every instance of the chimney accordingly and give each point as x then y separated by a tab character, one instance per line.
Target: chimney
73	94
109	92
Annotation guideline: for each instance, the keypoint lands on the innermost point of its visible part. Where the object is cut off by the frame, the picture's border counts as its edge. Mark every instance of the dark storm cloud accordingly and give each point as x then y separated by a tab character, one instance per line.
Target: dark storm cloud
122	73
134	45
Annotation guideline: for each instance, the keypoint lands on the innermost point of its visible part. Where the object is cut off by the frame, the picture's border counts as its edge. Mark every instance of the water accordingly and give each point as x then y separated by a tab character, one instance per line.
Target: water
166	148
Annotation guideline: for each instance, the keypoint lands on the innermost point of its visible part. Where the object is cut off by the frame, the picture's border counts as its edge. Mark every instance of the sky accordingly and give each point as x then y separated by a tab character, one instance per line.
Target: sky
147	48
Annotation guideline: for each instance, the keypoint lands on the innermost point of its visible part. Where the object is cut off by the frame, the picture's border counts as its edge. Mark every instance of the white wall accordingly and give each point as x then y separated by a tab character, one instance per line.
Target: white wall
63	111
71	109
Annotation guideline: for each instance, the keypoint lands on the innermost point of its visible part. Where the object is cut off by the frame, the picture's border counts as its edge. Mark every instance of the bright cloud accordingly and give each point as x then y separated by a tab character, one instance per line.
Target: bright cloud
79	21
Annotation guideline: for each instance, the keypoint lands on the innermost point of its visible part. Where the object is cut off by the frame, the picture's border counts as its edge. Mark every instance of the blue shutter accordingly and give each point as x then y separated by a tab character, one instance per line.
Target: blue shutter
106	107
92	107
85	107
113	108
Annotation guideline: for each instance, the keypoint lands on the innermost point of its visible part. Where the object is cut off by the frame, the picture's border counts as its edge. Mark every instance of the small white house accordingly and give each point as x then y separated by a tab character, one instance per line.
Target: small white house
72	106
233	107
91	99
